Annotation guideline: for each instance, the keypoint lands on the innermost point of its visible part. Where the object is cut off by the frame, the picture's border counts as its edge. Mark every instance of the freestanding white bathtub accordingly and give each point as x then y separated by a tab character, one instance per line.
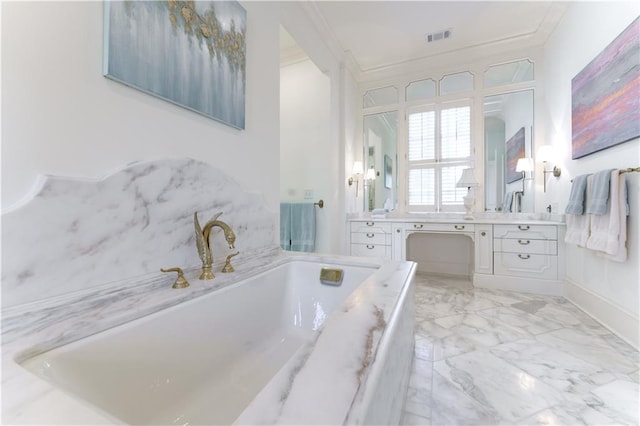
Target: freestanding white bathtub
279	347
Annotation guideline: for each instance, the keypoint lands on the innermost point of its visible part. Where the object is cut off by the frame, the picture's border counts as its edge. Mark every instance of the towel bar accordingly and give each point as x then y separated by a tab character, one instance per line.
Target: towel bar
628	170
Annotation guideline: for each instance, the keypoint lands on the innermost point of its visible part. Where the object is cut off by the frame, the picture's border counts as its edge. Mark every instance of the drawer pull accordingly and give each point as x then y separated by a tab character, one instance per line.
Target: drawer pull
523	242
459	227
370	246
398	230
418	225
369	235
523	227
483	233
370	223
524	256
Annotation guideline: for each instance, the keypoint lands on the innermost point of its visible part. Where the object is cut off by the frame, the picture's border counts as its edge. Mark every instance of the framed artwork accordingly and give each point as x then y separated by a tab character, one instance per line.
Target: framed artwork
515	150
605	106
388	172
189	53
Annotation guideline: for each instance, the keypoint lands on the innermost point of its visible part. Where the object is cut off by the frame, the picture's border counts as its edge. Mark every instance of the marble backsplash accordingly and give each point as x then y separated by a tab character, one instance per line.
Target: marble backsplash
75	234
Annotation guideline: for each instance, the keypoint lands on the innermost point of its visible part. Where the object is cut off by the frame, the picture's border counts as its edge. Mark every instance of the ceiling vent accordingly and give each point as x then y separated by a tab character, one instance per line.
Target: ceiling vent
437	36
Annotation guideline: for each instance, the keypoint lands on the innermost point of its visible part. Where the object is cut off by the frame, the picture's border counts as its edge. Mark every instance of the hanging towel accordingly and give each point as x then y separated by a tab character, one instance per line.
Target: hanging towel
508	202
600	190
303	227
577	196
285	226
609	231
578	224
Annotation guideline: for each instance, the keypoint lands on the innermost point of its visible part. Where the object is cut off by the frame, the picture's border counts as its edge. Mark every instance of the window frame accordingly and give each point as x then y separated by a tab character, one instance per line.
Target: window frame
438	163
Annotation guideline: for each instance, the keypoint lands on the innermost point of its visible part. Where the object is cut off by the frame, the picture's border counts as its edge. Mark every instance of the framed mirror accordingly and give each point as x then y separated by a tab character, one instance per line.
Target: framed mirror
380	133
508	137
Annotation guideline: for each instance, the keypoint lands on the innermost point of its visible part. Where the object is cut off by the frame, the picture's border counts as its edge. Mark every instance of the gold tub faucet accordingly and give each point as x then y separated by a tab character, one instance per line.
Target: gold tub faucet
203	245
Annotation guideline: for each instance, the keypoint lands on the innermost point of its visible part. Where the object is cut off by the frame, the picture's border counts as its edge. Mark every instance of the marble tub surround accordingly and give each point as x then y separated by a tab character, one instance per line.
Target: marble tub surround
74	234
487	357
341	361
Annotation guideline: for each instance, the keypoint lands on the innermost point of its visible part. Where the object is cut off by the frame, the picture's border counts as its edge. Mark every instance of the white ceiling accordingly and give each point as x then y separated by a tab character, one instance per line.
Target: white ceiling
377	35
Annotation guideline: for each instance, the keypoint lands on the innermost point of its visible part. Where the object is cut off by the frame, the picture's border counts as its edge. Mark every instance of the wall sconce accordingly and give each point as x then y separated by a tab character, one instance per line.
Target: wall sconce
524	165
357	171
545	155
468	179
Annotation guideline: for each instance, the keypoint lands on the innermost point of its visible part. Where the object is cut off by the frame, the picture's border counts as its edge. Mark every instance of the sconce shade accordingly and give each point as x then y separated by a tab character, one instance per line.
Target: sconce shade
467	179
545	154
371	174
357	168
524	165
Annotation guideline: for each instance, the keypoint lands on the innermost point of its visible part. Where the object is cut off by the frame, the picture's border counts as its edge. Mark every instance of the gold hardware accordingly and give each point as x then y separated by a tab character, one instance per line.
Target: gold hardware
459	227
180	282
319	204
203	245
331	276
227	264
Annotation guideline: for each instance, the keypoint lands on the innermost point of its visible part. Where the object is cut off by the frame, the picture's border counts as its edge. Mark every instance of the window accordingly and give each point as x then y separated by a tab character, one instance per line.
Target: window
439	148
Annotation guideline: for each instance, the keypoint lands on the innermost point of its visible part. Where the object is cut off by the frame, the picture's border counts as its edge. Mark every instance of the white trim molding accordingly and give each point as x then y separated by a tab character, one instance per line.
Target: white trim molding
621	322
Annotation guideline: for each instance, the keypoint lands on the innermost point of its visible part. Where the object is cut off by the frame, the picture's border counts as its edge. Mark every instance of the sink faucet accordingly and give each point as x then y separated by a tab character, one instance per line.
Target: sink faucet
202	242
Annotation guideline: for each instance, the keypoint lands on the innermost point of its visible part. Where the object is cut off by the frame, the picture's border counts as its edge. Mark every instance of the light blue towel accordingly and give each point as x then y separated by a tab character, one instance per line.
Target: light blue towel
577	195
507	203
303	227
599	196
285	226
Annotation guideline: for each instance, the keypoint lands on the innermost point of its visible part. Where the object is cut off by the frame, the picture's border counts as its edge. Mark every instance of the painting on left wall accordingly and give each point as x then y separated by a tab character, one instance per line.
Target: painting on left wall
190	53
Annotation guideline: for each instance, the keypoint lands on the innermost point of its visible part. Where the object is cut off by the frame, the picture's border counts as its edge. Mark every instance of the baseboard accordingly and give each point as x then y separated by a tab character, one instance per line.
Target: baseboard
524	285
618	320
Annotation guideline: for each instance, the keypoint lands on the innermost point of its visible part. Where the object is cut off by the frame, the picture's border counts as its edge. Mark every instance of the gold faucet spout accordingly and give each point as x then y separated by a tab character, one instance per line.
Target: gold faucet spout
204	246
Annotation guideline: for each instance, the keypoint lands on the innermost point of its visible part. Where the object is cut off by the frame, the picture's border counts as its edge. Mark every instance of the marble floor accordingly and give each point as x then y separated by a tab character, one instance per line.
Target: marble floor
488	357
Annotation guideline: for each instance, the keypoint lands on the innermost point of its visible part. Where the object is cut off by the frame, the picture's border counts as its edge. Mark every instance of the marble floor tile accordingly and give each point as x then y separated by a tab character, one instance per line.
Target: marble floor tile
507	390
493	357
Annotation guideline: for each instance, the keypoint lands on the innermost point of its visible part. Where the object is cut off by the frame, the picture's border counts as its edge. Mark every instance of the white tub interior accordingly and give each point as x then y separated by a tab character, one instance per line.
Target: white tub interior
203	361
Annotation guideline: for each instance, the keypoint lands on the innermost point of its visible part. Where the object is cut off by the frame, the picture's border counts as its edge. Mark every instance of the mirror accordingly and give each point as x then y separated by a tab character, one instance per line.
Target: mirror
508	132
380	154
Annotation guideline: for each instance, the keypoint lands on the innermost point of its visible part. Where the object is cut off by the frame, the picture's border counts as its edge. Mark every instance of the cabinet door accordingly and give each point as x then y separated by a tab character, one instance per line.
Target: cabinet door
483	249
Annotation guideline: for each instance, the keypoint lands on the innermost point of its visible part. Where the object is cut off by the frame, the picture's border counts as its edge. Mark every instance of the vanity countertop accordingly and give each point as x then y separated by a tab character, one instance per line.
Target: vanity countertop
480	218
34	328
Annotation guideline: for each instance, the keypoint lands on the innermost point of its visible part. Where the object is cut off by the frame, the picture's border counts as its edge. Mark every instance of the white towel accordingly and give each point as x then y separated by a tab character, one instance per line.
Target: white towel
609	231
578	225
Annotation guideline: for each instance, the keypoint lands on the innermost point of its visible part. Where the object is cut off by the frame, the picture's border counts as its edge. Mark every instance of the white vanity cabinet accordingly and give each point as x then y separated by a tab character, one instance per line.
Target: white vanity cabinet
528	251
513	255
371	239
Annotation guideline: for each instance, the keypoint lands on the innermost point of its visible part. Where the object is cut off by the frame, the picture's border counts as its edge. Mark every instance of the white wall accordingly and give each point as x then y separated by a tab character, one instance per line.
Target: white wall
608	290
304	138
61	116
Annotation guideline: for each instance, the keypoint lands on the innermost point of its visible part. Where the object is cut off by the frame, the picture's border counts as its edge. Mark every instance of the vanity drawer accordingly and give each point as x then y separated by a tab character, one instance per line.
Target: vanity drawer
370	238
371	250
527	232
536	266
371	226
524	245
441	227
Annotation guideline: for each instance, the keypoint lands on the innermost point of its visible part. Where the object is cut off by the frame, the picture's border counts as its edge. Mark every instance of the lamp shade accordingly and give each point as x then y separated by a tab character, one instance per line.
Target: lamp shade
371	174
357	168
467	179
524	165
545	153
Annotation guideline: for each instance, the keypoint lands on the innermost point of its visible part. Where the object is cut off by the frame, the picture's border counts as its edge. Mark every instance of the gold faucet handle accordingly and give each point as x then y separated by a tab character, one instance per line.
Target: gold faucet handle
181	281
227	265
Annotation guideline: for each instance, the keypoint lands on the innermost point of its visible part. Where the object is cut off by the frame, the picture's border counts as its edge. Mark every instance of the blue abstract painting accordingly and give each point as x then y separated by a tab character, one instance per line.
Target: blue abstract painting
191	53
